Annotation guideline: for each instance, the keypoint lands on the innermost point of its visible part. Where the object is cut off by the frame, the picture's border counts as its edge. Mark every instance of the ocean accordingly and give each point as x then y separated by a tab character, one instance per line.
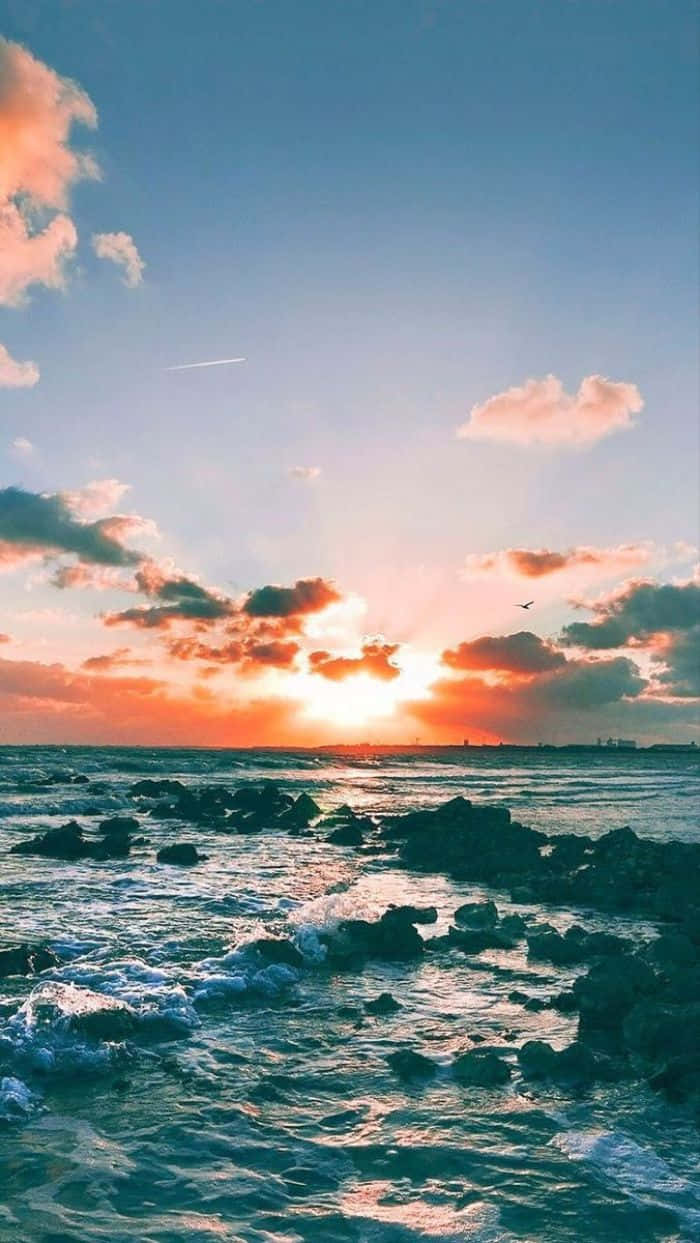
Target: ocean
255	1101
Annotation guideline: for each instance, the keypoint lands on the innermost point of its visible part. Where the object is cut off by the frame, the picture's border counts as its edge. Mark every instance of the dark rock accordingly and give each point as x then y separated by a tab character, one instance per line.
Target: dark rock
537	1059
119	824
391	938
513	926
114	1021
477	915
71	779
481	1068
575	1065
673	949
410	1065
278	949
609	991
64	842
182	853
414	914
112	846
157	789
475	940
26	960
346	835
383	1004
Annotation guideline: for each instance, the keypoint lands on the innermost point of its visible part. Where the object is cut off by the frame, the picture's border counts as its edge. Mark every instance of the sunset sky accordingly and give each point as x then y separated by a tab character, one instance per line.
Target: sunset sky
455	244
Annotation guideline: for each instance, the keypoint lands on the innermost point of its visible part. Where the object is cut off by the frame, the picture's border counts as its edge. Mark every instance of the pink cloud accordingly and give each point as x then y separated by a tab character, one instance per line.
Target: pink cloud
96	498
37	168
14	374
540	412
120	248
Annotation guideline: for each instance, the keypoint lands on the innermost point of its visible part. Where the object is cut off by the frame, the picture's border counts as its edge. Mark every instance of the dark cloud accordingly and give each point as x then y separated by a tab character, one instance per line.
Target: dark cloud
636	614
183	599
308	595
681	657
248	653
522	653
375	659
32	523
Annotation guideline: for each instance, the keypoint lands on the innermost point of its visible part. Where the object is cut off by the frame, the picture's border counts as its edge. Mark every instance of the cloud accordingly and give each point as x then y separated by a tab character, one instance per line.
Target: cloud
36	524
50	703
375	659
14	374
541	562
120	248
96	497
540	412
680	656
308	595
636	613
37	168
110	660
22	446
521	653
179	597
5	638
304	472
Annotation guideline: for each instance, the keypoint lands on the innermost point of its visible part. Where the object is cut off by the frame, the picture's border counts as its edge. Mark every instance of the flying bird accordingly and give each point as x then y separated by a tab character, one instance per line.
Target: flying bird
525	606
216	362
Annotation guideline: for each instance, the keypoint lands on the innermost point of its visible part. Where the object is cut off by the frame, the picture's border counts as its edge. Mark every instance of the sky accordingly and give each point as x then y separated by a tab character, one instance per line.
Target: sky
455	245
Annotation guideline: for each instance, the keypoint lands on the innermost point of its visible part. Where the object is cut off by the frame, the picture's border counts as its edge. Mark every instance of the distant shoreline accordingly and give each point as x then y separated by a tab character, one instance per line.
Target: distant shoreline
379	748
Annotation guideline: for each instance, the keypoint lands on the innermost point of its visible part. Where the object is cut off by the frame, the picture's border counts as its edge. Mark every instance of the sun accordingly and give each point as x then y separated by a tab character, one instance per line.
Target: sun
362	699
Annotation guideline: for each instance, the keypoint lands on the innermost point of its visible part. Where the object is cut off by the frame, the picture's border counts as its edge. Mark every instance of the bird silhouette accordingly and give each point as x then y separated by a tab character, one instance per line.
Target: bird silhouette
525	606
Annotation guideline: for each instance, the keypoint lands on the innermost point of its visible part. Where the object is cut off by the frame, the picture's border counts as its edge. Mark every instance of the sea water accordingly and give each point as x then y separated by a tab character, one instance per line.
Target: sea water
257	1104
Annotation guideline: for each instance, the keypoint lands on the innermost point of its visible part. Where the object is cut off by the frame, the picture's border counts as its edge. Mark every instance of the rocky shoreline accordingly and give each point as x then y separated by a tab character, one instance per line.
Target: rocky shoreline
637	1001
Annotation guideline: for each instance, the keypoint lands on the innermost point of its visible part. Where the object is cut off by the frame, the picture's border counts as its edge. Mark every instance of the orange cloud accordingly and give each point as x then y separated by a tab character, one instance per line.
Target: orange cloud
521	653
540	412
541	562
375	660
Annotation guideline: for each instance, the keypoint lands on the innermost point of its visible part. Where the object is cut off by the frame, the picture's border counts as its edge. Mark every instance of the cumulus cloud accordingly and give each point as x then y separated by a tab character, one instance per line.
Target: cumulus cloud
636	613
35	524
541	562
374	659
304	472
37	168
308	595
120	248
14	374
679	654
96	497
521	653
541	412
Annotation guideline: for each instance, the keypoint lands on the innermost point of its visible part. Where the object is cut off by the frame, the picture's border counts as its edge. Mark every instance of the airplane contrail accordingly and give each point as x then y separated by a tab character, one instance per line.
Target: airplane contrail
216	362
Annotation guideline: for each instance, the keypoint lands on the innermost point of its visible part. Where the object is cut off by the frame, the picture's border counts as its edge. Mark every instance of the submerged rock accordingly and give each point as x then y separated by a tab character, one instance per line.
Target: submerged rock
185	854
26	960
383	1004
408	1065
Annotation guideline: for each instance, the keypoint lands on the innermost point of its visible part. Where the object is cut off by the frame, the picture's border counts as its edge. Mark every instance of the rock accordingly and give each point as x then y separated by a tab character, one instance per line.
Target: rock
64	842
113	846
481	1068
112	1022
673	949
513	926
181	853
410	1065
537	1059
383	1004
391	938
72	779
609	991
414	914
119	824
346	835
477	915
474	941
551	947
26	960
278	949
303	810
157	789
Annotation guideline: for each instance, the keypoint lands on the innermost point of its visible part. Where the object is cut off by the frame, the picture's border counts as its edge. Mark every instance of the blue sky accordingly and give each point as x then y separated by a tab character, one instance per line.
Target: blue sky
394	210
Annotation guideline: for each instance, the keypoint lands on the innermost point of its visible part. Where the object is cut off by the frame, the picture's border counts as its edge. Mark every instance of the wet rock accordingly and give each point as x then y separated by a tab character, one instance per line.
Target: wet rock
414	914
481	1068
185	854
112	846
409	1065
119	824
513	926
157	789
536	1059
477	915
474	941
574	1066
26	960
391	938
278	949
346	835
564	1002
383	1004
63	842
302	811
673	949
70	779
607	993
114	1021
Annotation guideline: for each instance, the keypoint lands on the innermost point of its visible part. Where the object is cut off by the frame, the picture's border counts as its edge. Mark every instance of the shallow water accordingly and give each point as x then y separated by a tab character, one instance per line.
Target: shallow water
257	1104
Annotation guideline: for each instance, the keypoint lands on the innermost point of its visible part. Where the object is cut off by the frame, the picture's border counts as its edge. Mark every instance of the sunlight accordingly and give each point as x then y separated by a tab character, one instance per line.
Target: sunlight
363	699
